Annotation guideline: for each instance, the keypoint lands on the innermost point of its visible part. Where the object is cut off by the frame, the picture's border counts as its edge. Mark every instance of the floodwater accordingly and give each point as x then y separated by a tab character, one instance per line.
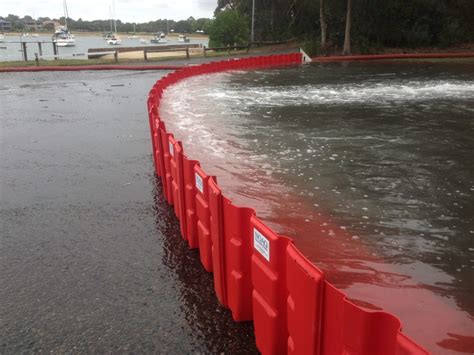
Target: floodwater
368	167
11	49
91	257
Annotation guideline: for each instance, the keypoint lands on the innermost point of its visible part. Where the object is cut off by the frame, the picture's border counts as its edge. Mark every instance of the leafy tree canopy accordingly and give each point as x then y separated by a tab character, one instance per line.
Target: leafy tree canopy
228	28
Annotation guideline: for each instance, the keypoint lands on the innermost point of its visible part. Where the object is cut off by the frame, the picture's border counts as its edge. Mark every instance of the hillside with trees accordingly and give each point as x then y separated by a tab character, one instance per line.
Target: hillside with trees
358	26
189	25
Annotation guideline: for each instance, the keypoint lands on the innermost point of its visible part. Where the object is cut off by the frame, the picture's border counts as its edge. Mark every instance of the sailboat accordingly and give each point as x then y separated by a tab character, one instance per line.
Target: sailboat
36	28
114	39
134	36
62	36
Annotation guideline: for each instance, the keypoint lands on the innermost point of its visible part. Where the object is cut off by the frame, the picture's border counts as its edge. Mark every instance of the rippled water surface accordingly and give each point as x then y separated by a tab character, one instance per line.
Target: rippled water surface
367	166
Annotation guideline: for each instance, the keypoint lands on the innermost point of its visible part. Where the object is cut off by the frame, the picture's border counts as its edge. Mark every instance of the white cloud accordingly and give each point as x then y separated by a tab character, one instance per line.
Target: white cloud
126	10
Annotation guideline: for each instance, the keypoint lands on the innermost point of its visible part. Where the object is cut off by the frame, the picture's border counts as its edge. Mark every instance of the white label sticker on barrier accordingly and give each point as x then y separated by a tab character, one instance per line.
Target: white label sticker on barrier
199	184
171	146
261	244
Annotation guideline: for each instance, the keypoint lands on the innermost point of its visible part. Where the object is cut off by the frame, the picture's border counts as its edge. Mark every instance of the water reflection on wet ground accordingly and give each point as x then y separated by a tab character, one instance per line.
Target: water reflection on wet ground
91	257
367	166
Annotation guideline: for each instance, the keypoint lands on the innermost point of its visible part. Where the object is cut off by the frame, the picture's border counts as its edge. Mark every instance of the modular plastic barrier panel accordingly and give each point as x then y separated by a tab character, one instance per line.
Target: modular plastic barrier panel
160	168
258	274
177	175
348	328
189	178
269	288
237	258
305	285
174	183
217	240
166	166
203	218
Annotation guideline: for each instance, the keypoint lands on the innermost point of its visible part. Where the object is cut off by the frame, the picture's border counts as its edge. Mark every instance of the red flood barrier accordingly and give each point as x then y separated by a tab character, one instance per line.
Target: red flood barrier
203	218
190	202
258	274
237	232
304	303
269	288
177	180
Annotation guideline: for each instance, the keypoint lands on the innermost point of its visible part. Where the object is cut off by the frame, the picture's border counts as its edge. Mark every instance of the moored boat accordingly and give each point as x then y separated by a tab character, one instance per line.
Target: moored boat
63	38
114	40
159	37
183	38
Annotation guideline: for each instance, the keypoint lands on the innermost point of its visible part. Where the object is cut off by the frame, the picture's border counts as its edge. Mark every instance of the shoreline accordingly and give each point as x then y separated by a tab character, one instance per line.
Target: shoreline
172	60
99	34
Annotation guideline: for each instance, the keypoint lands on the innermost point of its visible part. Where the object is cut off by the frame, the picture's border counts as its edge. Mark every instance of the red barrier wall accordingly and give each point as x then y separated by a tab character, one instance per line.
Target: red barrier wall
258	274
190	202
237	256
203	218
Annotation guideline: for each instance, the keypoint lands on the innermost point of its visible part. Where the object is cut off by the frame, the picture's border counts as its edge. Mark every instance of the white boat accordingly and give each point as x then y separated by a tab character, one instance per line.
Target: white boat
183	38
134	36
114	41
159	37
25	35
62	36
107	35
143	41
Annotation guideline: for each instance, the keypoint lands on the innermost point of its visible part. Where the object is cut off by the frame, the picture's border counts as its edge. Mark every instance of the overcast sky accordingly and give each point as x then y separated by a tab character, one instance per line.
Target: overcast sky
126	10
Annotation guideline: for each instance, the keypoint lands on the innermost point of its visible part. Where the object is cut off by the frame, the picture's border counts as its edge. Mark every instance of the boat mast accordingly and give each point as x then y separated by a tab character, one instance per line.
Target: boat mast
110	12
66	15
115	20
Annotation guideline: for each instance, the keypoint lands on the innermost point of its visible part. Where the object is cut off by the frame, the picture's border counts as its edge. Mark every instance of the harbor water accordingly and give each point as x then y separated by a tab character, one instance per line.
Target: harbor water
368	167
11	49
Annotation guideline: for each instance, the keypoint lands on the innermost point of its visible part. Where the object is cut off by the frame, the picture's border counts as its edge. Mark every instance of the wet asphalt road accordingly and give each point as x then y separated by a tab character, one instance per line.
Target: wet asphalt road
90	255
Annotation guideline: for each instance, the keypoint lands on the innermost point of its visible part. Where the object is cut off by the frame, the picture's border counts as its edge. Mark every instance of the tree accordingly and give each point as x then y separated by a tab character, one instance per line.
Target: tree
347	36
183	26
225	4
228	28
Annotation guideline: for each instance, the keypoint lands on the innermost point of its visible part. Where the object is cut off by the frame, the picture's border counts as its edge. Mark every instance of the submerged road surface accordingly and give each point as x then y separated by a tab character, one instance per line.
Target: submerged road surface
91	258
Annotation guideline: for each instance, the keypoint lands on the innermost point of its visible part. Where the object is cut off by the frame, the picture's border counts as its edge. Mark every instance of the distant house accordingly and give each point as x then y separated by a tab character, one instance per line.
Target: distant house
51	25
5	25
32	25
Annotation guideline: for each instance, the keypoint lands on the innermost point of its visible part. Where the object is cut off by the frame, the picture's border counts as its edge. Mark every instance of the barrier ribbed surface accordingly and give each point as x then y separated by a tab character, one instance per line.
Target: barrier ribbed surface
258	274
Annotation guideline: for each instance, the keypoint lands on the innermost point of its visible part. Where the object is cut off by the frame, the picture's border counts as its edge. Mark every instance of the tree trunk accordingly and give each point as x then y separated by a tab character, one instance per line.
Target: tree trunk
322	19
347	37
